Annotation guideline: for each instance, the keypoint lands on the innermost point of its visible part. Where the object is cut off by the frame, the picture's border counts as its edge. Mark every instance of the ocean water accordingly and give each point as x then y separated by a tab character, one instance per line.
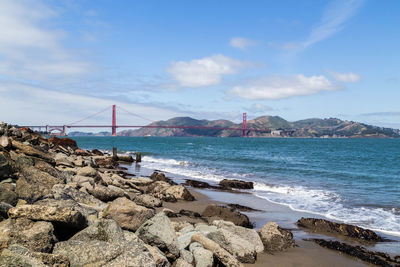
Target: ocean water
355	181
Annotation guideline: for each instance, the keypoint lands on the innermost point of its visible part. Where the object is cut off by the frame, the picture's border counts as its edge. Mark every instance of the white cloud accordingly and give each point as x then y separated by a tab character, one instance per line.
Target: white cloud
30	49
242	43
346	77
278	87
257	107
206	71
333	20
29	105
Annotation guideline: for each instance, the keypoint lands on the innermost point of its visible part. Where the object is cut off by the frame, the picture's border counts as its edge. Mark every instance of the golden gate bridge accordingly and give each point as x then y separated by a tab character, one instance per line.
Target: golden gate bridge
62	129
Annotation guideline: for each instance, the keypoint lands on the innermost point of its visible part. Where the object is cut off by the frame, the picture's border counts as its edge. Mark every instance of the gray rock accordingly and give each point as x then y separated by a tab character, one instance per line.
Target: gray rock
202	257
37	236
68	192
158	256
275	238
107	193
82	179
187	256
194	245
241	249
17	255
87	171
7	194
223	256
214	212
128	214
148	201
65	216
184	240
182	263
247	234
104	244
179	192
159	232
4	208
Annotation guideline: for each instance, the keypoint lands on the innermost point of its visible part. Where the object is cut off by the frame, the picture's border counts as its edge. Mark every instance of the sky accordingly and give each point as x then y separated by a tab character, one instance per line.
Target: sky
64	60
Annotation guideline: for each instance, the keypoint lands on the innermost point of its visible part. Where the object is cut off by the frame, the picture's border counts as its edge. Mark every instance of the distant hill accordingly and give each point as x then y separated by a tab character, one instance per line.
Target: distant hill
315	127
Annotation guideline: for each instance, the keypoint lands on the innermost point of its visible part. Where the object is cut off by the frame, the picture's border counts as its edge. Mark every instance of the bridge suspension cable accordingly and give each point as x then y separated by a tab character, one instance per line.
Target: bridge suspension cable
133	114
90	116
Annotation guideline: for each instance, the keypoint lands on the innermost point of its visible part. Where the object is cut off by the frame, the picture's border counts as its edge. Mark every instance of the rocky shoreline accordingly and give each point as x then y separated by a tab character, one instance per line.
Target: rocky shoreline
64	206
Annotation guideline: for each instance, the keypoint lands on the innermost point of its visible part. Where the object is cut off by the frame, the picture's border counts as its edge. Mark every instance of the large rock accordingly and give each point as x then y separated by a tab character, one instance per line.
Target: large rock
374	257
87	171
63	216
17	255
348	230
63	160
179	192
5	167
158	231
182	263
88	212
275	238
223	256
236	184
214	212
105	244
250	235
127	213
7	194
37	236
5	142
33	184
107	193
31	151
240	248
158	256
60	192
202	257
63	142
48	168
148	201
106	162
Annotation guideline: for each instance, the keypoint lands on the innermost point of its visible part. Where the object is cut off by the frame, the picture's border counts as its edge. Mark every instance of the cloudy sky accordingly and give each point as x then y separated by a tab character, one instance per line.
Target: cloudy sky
63	60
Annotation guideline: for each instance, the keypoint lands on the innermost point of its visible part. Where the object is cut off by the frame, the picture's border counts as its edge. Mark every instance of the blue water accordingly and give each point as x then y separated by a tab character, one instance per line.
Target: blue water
352	180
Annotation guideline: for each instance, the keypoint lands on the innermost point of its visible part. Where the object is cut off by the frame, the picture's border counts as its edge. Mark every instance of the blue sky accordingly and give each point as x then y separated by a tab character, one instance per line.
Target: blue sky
63	60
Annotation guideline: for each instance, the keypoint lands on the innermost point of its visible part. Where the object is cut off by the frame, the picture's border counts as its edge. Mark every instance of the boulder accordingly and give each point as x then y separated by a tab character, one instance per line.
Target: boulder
5	167
223	256
148	201
179	192
63	160
159	176
33	152
158	188
182	263
87	171
37	236
275	238
64	216
63	142
347	230
250	235
79	180
81	152
374	257
158	256
158	231
17	255
7	194
105	244
240	248
202	257
35	184
5	142
127	213
60	192
107	193
187	256
236	184
48	168
106	162
214	212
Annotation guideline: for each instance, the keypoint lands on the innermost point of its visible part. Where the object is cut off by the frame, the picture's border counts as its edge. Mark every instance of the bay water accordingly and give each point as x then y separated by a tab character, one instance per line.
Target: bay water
355	181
